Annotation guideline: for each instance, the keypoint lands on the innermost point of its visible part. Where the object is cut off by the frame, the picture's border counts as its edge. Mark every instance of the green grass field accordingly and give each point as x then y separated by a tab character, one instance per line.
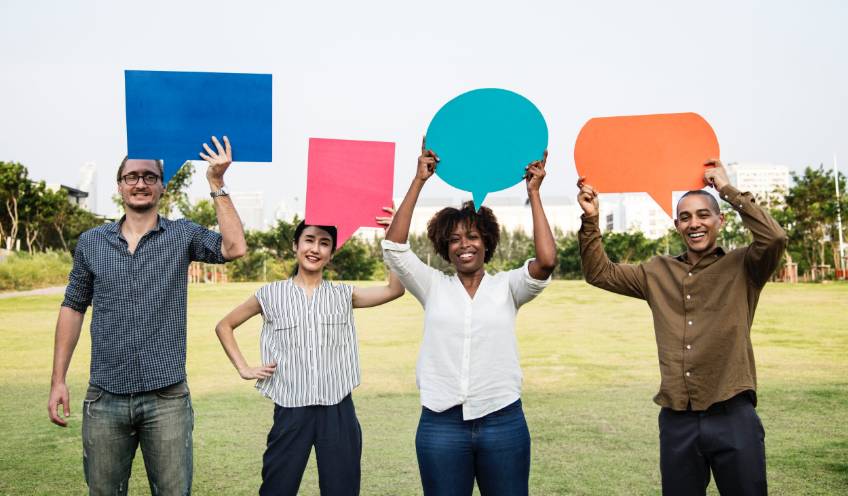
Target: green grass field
590	371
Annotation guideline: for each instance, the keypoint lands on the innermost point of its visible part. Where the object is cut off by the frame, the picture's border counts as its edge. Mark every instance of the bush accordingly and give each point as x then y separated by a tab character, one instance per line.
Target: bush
22	271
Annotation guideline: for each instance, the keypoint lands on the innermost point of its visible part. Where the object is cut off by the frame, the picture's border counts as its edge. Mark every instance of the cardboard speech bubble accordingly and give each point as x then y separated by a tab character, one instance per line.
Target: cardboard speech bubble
656	154
485	138
348	183
171	114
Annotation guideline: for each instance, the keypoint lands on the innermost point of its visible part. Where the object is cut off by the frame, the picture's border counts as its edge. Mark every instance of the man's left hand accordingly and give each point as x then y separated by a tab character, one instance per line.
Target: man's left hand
715	175
218	161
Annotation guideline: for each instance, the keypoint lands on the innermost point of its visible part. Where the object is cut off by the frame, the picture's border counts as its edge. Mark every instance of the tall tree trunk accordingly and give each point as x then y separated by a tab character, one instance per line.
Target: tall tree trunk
12	208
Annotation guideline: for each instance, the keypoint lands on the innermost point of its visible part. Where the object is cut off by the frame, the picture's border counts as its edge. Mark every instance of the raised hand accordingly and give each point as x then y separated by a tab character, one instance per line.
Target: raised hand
534	173
387	220
218	160
427	161
587	197
715	175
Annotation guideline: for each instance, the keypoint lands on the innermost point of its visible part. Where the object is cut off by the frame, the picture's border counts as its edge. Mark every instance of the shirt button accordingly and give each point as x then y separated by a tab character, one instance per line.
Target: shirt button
688	297
688	346
688	373
690	274
690	322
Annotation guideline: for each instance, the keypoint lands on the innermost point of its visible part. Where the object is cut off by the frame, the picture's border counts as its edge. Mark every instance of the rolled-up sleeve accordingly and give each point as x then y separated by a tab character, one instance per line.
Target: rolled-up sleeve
205	244
80	288
523	286
415	275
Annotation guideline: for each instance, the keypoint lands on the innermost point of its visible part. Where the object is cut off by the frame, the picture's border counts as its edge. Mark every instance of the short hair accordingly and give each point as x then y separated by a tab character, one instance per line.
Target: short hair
331	230
442	224
124	164
713	203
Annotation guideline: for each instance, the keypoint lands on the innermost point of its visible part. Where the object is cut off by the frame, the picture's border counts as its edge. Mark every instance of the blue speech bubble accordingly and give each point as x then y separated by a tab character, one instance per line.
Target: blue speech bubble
485	138
171	114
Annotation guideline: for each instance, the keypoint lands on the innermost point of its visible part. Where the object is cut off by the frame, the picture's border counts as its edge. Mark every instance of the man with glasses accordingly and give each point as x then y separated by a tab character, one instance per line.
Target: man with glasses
134	274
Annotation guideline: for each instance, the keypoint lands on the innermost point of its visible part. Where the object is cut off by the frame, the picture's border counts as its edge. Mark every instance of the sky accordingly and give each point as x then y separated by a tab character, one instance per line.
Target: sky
771	77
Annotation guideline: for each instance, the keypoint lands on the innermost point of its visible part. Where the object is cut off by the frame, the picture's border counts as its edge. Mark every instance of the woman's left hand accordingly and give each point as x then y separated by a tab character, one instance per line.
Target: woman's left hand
535	174
387	221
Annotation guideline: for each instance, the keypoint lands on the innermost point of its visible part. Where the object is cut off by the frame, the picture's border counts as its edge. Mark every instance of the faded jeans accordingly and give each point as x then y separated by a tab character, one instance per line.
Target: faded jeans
114	425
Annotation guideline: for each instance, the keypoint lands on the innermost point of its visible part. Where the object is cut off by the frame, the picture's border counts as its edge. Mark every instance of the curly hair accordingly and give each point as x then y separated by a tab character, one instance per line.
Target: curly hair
441	227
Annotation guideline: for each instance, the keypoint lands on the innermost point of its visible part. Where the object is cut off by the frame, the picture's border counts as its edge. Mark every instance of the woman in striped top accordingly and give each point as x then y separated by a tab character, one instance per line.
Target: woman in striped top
310	366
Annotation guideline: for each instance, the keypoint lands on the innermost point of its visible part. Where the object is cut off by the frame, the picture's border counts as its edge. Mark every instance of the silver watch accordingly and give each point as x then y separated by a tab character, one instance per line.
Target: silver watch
224	191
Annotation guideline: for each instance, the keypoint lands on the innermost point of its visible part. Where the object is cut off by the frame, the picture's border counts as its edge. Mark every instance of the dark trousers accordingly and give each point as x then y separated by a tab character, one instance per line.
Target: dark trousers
494	450
728	438
335	433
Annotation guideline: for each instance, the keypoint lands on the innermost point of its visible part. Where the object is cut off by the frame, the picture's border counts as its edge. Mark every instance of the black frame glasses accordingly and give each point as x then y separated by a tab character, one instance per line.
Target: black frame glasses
131	179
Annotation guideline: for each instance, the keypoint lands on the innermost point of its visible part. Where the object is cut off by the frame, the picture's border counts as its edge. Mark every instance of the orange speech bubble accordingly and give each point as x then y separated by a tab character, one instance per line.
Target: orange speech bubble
657	154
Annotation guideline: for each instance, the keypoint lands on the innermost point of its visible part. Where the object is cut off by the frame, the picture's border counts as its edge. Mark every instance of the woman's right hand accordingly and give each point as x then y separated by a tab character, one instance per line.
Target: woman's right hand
263	372
427	162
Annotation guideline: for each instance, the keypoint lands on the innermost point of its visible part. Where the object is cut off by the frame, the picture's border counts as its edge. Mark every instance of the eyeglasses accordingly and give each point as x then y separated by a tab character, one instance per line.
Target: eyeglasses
132	179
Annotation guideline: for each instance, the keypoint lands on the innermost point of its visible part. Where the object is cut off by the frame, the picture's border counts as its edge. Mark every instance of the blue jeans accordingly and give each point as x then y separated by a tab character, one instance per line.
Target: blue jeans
113	426
494	450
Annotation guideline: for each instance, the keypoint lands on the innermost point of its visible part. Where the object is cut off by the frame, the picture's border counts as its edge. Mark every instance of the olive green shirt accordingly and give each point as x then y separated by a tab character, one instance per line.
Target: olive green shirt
703	312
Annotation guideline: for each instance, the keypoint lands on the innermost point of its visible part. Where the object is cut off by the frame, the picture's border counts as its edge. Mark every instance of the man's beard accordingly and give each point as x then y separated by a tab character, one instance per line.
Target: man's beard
141	209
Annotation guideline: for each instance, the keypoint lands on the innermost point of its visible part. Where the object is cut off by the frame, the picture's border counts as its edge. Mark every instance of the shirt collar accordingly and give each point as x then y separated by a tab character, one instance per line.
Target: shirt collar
115	227
717	252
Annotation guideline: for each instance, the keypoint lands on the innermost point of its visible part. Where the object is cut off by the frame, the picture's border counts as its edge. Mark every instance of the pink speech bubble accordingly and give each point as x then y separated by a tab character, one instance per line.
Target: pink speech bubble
348	183
657	154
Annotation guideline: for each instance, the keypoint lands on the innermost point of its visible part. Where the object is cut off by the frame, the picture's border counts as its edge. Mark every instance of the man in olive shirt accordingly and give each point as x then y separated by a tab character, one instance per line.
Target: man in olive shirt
703	304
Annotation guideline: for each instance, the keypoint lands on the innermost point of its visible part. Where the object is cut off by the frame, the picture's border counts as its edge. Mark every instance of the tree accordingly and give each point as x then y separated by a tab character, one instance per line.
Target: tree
629	247
353	262
809	217
14	181
201	212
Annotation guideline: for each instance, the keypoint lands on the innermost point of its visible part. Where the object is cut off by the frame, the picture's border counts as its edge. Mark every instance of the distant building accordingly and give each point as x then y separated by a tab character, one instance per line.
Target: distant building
768	182
88	182
75	196
629	212
250	206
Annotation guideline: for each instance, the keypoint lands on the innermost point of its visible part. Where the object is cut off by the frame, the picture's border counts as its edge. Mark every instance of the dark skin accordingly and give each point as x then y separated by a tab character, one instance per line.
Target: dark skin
466	250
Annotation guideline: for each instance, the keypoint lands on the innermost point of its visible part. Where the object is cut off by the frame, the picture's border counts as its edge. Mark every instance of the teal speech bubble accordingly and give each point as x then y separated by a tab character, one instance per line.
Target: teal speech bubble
485	138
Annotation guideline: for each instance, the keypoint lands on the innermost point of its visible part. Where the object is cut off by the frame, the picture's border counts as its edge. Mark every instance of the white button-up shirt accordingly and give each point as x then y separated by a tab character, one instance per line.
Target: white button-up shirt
469	354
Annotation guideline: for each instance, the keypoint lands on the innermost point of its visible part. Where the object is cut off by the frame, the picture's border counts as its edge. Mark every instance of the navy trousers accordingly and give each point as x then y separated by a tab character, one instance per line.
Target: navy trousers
337	437
727	438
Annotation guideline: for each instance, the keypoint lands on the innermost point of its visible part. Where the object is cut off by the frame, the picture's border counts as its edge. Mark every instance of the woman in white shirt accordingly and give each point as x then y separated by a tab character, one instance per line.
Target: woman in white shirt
472	425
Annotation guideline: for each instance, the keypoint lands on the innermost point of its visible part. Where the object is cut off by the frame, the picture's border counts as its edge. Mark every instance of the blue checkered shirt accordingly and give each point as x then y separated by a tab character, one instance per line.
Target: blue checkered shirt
138	322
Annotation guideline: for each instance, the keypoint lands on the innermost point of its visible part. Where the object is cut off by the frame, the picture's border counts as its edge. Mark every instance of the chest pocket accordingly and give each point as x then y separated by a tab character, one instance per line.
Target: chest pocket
335	329
282	333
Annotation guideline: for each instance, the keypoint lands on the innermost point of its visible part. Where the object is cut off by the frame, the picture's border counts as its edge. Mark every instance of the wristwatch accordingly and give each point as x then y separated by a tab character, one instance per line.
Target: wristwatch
224	191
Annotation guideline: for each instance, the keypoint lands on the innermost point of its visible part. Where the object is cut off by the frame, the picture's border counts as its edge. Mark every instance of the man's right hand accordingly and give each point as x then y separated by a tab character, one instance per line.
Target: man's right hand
587	197
59	396
427	162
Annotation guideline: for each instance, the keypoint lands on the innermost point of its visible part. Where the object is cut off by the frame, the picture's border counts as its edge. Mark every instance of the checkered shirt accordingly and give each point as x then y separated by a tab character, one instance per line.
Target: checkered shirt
138	323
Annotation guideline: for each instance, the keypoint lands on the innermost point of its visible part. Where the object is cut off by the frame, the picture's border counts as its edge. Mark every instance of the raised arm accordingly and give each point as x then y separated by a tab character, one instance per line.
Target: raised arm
766	250
598	269
398	232
233	244
377	295
543	266
225	331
